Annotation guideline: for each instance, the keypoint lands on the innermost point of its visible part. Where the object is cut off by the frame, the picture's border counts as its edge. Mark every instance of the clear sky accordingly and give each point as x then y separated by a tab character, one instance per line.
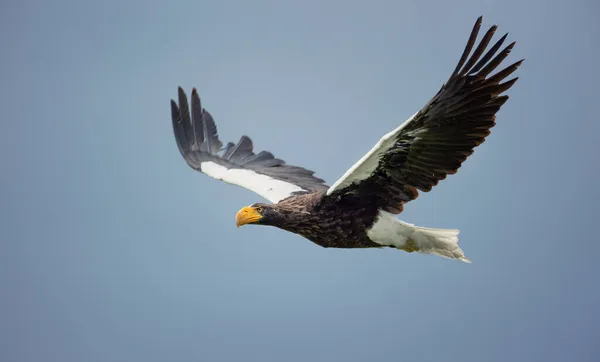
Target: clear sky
113	249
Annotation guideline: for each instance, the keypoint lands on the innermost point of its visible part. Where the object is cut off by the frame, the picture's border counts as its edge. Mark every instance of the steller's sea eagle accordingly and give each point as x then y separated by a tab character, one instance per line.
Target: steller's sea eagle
358	210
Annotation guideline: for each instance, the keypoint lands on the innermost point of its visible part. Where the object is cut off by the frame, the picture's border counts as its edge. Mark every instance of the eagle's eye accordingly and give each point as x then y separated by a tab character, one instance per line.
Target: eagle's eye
259	209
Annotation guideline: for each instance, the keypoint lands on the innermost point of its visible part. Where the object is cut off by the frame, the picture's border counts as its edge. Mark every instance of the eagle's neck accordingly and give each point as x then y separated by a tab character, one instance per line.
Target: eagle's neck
297	214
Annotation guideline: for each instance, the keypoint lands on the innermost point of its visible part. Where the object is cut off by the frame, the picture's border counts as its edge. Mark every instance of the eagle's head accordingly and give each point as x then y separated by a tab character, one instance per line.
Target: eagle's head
259	214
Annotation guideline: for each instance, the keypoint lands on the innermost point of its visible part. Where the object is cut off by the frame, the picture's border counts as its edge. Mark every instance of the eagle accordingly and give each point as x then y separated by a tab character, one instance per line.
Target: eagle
359	210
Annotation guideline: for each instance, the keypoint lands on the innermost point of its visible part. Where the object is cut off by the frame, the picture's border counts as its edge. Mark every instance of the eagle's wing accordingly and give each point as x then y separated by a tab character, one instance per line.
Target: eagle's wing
237	164
435	141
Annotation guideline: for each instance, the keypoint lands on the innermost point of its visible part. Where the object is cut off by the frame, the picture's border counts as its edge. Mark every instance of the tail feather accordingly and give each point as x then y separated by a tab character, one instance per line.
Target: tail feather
441	242
390	231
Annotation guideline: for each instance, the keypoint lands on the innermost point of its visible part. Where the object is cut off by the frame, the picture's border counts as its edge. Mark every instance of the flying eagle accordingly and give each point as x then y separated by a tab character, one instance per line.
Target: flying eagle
359	210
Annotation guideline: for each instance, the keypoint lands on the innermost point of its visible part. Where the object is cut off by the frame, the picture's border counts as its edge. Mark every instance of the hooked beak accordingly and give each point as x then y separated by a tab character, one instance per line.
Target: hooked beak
247	215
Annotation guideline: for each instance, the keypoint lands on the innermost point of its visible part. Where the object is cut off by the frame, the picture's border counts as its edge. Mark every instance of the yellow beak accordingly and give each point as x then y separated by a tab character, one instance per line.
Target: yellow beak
247	215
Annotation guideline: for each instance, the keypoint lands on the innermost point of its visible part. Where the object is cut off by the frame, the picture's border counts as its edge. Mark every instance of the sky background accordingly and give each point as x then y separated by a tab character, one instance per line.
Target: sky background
113	249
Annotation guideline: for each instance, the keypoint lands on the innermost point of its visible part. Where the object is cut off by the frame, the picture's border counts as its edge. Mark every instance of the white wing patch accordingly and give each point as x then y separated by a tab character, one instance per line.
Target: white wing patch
271	189
366	165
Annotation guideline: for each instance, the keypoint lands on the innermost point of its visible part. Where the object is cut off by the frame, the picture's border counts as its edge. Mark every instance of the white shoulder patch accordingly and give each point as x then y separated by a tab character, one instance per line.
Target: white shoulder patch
271	189
368	163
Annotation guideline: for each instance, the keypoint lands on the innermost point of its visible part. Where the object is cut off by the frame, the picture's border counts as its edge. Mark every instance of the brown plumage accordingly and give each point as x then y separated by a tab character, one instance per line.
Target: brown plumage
355	211
322	221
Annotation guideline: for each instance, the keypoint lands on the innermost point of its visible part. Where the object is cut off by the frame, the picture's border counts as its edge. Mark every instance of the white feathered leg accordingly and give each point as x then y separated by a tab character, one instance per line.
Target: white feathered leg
390	231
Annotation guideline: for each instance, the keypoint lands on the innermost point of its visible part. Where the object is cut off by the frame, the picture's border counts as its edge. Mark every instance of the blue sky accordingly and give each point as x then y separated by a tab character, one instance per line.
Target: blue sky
112	249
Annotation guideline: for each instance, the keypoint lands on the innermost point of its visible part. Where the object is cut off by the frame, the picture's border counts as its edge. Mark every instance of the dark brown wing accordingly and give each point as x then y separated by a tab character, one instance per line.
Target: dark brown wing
436	140
261	172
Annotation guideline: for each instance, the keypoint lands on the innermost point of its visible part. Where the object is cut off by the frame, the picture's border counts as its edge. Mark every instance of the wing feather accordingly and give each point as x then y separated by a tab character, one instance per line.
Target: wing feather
198	141
435	141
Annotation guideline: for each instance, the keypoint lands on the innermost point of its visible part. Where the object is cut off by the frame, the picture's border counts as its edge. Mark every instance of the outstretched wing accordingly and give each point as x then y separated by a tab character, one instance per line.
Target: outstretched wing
435	141
237	164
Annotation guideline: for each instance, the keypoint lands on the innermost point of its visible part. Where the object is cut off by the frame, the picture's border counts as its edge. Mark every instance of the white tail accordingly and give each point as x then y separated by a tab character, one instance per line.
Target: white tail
442	242
390	231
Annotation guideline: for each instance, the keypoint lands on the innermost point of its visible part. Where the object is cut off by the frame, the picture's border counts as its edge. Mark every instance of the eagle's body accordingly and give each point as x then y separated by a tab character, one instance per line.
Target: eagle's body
326	223
359	210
